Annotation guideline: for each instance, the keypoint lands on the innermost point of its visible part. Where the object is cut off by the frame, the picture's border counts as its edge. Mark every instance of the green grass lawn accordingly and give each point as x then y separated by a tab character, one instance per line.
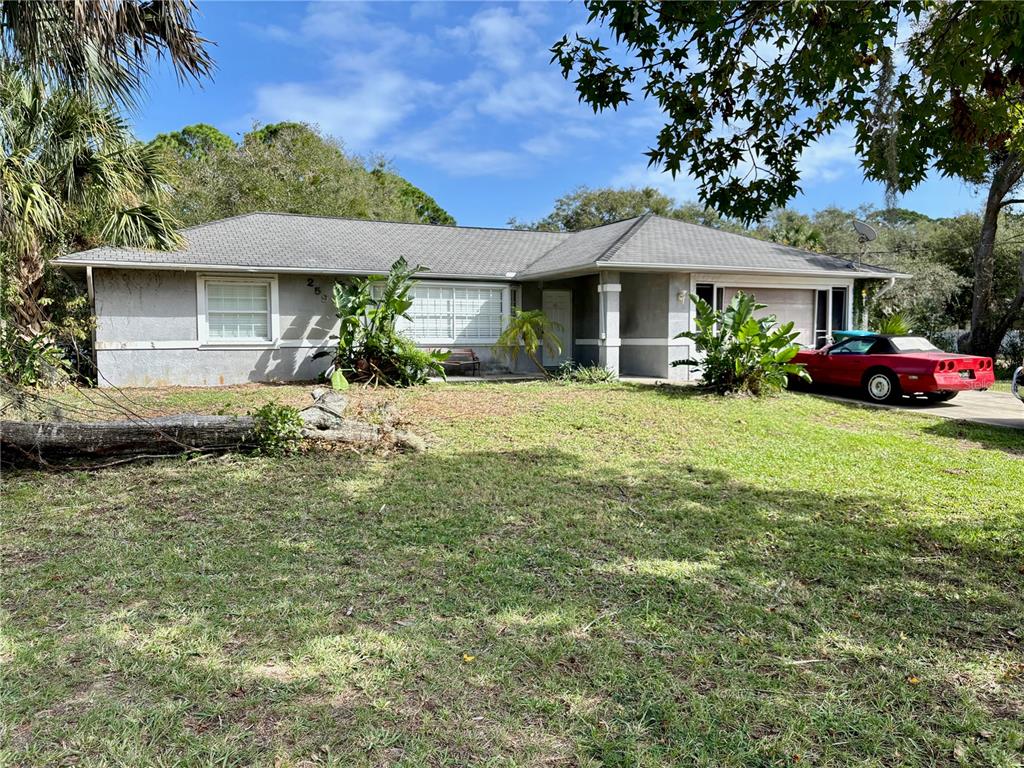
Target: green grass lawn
569	576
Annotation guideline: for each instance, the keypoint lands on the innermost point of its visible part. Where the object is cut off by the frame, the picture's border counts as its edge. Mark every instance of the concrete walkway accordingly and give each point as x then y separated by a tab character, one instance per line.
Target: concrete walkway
999	409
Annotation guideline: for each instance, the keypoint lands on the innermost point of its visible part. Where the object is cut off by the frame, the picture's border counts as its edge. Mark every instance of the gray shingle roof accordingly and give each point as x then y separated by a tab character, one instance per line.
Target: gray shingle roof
286	241
276	241
655	240
583	248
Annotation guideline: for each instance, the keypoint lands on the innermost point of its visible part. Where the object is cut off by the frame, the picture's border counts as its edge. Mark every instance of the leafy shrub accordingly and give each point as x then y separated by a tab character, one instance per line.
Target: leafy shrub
370	349
35	362
584	374
742	353
1012	348
277	429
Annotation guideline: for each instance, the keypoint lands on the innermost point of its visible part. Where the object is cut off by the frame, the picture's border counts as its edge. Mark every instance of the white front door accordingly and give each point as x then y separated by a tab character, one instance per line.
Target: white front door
557	305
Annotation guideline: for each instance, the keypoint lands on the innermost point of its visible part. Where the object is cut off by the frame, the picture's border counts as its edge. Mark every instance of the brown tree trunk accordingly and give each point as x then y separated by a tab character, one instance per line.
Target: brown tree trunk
27	313
169	434
538	363
987	328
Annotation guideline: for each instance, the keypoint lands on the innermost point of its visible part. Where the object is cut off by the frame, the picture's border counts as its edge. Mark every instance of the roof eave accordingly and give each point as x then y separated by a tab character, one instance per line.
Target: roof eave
663	267
192	267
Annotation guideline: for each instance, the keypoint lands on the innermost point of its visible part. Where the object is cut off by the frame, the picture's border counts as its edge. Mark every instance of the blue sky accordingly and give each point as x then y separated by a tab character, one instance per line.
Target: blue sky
461	98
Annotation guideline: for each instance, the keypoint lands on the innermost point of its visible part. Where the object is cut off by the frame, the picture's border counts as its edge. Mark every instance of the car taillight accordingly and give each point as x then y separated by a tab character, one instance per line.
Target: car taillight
944	365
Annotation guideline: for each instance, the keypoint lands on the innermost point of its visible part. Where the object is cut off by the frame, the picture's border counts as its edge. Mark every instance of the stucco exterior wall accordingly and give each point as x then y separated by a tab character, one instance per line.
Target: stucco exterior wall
655	307
147	332
134	305
206	367
644	305
148	325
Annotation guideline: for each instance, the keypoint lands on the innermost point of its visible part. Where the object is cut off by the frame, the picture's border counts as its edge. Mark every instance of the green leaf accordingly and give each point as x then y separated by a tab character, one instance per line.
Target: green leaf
338	381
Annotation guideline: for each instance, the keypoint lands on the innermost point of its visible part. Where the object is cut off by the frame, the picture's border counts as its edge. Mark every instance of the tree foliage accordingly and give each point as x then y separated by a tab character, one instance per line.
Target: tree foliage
71	176
587	207
285	167
747	87
584	208
741	351
101	47
193	142
370	349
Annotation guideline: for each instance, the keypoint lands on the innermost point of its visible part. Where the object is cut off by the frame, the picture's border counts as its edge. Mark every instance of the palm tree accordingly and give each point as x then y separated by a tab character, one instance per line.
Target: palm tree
528	329
895	324
71	175
102	47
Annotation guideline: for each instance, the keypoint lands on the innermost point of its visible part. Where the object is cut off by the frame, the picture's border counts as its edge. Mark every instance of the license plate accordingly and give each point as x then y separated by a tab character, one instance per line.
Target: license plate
966	374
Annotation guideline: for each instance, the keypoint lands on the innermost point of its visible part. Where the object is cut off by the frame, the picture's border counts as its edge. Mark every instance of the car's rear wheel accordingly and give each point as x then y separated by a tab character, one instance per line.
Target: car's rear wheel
882	386
940	397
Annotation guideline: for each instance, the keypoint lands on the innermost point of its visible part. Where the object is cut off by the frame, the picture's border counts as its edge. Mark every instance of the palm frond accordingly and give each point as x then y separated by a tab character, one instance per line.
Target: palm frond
142	226
100	46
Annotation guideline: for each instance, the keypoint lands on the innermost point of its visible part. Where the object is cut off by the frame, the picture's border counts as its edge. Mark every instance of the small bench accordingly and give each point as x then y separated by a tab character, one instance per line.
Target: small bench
461	360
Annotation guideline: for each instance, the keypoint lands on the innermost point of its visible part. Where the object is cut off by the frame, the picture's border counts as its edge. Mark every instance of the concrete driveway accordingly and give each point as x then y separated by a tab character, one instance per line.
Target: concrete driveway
1000	409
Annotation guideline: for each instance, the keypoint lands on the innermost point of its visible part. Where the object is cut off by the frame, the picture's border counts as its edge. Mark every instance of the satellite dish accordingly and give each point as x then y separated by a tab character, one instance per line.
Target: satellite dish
865	232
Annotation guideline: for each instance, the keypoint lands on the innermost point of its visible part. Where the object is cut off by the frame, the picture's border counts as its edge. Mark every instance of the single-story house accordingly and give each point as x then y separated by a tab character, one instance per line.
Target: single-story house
248	298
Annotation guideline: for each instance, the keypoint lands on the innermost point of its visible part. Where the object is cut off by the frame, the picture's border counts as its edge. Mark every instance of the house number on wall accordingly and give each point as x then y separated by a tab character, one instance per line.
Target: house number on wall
311	283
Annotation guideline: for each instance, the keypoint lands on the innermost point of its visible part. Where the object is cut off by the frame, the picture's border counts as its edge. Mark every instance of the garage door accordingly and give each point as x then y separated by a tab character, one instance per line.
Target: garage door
787	304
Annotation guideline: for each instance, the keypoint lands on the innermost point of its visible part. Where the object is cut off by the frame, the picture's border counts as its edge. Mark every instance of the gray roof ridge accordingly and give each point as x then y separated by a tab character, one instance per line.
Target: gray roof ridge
525	270
385	221
621	240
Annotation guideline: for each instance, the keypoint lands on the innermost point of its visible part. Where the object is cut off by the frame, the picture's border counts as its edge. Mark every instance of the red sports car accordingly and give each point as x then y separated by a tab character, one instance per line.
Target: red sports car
885	368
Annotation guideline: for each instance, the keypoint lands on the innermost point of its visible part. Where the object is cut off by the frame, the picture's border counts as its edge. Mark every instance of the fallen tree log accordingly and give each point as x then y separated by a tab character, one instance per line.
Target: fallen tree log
167	434
48	440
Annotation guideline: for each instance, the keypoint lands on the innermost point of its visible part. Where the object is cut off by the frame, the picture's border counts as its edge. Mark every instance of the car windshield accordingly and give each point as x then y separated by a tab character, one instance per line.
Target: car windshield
853	346
912	344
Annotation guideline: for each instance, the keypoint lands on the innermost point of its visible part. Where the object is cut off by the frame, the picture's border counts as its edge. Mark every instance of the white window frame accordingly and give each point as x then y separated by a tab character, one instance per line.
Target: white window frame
753	282
273	319
506	312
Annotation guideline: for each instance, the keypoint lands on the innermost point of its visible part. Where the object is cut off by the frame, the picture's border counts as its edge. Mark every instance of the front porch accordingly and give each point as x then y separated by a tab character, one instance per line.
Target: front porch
628	321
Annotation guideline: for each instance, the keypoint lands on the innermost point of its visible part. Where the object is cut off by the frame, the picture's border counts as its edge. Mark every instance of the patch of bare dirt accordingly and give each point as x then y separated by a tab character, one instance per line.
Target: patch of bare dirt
468	403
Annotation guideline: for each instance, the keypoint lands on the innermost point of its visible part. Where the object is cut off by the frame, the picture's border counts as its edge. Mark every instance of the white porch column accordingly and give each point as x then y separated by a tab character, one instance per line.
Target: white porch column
609	290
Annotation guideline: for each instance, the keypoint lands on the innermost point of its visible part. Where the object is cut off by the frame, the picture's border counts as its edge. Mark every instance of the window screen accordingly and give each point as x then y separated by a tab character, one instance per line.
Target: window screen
821	319
706	291
838	309
451	314
238	310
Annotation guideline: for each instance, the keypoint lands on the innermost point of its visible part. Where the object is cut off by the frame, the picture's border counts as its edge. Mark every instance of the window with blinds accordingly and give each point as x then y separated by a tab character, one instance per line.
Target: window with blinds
238	311
444	314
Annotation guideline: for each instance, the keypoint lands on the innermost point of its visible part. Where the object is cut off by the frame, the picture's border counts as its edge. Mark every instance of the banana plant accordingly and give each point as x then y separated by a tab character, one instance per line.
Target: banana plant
740	352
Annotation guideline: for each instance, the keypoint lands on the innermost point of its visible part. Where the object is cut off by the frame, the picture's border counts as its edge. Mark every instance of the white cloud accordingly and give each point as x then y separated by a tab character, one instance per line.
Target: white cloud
545	145
499	37
481	162
682	188
372	95
426	9
527	96
358	115
830	158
